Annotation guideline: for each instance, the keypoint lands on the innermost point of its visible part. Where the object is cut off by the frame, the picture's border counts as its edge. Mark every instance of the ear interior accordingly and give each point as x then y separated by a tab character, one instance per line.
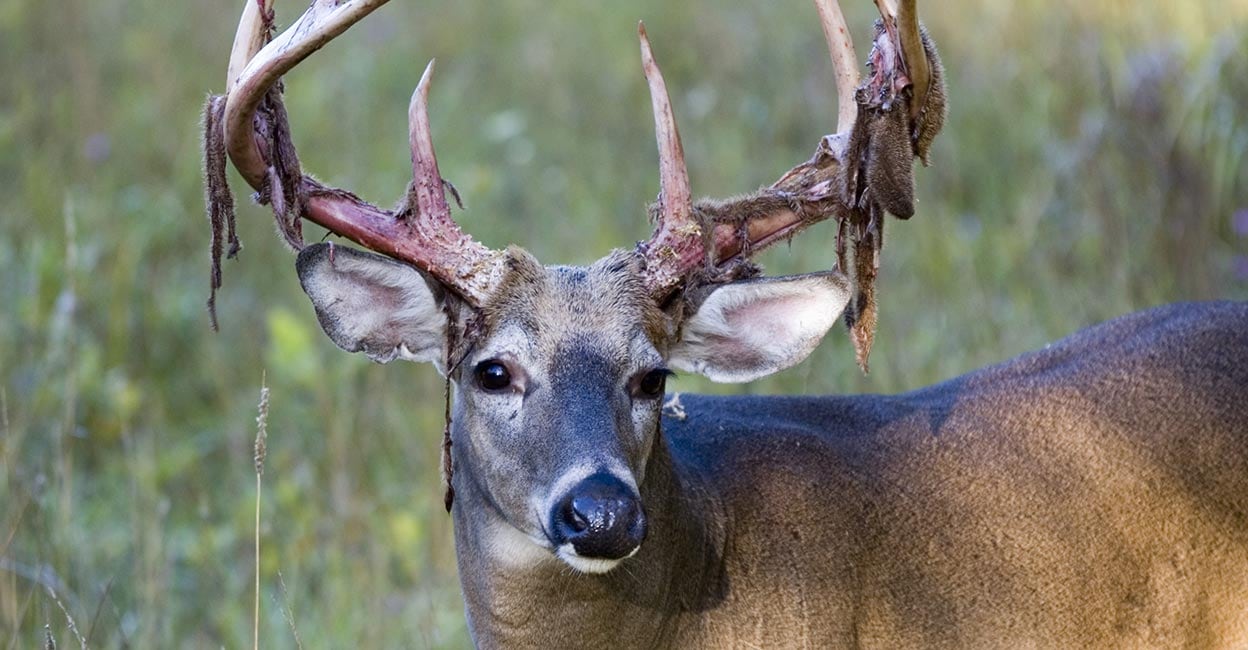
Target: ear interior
746	330
373	304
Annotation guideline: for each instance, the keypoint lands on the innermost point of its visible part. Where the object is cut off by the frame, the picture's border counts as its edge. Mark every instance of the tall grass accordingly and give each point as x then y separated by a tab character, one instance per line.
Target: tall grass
1093	164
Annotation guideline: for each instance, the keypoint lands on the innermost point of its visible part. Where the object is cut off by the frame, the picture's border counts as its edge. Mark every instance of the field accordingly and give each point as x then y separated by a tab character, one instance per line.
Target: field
1094	163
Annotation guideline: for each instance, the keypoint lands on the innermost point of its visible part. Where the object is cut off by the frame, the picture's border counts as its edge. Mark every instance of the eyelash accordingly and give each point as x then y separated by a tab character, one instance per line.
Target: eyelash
657	374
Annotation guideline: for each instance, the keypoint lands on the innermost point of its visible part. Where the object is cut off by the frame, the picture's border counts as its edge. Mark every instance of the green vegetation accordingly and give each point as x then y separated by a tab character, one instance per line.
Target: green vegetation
1093	164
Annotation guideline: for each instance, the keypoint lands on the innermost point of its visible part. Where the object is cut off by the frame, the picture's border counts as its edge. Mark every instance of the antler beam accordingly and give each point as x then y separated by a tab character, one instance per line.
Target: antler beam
855	175
253	73
253	129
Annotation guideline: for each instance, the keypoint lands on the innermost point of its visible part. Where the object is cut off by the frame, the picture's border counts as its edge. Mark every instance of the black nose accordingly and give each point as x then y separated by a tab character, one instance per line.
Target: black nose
601	517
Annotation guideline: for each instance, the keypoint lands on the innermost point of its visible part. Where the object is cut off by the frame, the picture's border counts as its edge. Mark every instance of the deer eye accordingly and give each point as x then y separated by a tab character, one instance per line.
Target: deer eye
492	375
653	382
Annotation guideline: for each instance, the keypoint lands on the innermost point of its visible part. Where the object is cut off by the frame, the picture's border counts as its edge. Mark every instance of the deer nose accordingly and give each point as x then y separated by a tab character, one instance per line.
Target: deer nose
601	517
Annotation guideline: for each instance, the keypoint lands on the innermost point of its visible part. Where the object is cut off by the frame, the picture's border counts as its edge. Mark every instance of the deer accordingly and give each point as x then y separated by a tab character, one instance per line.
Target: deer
1093	493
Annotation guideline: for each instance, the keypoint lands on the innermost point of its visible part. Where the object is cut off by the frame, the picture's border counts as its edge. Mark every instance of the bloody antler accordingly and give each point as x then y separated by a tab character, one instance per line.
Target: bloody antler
855	175
251	124
677	245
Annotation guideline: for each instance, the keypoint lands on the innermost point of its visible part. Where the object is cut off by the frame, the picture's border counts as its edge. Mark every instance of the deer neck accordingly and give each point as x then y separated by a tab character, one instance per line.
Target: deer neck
518	595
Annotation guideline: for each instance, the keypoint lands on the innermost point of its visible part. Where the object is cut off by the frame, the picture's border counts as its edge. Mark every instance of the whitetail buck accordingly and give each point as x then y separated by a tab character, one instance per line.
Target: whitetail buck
1094	493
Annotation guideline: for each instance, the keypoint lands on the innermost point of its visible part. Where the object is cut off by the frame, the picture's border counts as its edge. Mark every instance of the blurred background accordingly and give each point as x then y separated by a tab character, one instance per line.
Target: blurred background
1093	164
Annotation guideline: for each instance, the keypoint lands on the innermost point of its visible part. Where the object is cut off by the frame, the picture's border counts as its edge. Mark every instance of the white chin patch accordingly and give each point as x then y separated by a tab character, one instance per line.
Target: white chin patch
589	564
515	549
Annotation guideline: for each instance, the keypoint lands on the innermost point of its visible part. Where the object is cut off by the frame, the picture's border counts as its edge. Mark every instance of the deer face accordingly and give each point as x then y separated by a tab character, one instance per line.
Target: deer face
558	394
559	371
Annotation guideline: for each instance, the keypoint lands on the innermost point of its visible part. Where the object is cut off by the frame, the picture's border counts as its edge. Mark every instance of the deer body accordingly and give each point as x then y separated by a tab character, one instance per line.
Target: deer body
1094	493
1091	494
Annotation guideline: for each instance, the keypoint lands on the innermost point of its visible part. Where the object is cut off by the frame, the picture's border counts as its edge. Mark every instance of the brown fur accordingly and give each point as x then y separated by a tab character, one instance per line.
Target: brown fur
532	297
932	115
283	191
1093	494
862	314
218	198
890	161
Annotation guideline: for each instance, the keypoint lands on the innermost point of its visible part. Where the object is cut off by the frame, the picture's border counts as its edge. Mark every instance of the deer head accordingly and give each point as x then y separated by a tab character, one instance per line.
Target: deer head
559	371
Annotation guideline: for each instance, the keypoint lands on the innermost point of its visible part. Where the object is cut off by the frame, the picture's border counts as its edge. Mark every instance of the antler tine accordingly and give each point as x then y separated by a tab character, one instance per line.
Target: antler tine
906	17
844	61
452	255
426	181
677	244
250	37
321	23
806	194
420	232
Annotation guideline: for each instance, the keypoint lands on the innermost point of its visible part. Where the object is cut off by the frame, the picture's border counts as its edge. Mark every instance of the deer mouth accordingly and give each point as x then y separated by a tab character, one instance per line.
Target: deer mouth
598	566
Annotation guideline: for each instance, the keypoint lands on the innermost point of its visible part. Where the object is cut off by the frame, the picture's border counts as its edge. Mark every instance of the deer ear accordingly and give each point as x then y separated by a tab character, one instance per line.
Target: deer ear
375	305
750	329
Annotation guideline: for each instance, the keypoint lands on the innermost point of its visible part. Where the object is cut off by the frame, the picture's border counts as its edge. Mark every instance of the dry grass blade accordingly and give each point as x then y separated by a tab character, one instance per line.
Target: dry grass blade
286	611
261	450
262	427
21	615
21	514
108	588
73	628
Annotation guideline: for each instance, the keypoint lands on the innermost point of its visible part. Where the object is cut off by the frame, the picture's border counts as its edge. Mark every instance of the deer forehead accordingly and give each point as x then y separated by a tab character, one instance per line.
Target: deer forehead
603	306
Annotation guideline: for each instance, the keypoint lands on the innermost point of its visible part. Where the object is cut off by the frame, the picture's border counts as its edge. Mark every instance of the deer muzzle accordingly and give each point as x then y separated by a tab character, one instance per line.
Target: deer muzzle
598	522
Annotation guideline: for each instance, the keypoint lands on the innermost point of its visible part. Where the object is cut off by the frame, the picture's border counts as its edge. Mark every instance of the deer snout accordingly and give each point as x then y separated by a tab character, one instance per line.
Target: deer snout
601	518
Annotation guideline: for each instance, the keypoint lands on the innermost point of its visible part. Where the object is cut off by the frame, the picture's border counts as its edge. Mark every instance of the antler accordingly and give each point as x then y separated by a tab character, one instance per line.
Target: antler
855	175
250	125
677	244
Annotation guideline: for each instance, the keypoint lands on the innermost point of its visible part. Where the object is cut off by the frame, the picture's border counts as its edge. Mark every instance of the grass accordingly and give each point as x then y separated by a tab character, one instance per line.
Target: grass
1093	164
259	453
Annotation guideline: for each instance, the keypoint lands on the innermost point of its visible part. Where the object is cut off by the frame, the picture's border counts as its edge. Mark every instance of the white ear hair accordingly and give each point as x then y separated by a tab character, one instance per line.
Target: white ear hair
746	330
373	304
